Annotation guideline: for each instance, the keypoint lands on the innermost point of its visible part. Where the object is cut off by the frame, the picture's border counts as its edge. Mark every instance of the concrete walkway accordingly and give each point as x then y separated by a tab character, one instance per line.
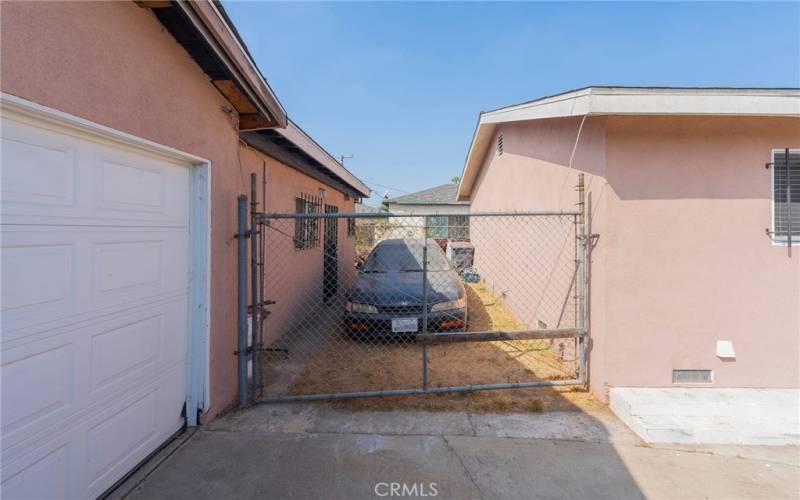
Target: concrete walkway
313	451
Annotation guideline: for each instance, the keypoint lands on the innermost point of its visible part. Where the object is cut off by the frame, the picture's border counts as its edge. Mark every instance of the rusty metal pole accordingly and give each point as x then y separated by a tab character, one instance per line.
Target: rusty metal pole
241	297
255	324
425	309
581	280
788	200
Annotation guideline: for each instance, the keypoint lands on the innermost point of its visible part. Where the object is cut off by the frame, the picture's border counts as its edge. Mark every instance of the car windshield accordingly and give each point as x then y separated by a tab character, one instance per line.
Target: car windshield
407	257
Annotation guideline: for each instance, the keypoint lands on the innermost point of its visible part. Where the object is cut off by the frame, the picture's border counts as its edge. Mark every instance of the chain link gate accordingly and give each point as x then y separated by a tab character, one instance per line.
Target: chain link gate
384	304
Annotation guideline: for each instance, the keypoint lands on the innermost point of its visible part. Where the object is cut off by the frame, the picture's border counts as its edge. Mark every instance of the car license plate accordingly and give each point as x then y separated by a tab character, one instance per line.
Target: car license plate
403	325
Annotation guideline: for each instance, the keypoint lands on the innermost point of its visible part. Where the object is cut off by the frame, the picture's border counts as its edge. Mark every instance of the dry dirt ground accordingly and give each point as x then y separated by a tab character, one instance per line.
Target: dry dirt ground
341	364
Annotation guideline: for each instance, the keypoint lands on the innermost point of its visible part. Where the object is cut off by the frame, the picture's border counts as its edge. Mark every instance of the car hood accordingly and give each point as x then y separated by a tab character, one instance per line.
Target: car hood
405	288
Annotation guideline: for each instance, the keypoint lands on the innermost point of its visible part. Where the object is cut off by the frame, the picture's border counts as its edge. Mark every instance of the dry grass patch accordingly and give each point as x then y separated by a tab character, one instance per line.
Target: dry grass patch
530	400
346	365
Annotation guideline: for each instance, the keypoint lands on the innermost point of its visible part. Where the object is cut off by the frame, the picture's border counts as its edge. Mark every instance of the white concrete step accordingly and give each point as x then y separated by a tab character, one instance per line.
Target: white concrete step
710	415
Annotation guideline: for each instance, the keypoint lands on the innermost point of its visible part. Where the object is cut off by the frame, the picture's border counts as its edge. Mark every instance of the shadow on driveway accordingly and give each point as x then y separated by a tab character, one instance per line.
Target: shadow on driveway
316	451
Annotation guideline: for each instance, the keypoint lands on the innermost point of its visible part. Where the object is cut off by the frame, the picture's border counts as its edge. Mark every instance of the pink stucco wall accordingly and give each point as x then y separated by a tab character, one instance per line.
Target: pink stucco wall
533	174
294	277
113	63
681	204
689	262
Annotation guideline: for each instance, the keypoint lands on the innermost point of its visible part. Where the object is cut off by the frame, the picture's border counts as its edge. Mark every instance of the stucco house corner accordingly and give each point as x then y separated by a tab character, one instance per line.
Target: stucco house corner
118	209
690	245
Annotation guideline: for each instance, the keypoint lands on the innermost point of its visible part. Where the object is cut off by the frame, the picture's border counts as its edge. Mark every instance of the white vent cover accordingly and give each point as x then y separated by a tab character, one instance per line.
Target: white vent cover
725	349
499	144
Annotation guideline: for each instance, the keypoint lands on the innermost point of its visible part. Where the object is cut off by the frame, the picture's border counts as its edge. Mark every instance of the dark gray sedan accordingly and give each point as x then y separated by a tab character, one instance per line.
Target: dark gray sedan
387	295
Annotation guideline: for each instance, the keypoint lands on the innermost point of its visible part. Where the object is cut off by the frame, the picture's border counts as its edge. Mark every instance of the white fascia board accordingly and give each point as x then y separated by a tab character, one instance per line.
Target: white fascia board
697	104
464	188
299	138
630	101
572	104
477	149
622	101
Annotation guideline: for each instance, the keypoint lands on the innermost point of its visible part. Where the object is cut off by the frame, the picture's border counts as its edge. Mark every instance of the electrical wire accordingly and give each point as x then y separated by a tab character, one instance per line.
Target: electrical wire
577	138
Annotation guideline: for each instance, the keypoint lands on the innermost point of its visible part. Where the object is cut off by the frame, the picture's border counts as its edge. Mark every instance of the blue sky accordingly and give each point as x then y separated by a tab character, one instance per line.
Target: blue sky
400	85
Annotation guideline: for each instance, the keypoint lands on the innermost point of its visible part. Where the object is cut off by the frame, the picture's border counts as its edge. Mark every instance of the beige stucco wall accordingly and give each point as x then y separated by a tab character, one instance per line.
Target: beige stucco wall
681	205
113	63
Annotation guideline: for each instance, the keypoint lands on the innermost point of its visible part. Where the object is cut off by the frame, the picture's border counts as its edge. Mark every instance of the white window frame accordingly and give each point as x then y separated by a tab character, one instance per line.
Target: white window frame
197	376
778	240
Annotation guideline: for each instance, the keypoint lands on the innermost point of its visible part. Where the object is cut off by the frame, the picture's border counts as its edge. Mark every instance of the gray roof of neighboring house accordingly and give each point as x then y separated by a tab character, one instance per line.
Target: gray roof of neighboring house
366	209
439	195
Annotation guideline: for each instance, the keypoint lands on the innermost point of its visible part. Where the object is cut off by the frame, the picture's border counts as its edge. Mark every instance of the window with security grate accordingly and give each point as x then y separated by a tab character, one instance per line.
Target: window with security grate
306	230
786	195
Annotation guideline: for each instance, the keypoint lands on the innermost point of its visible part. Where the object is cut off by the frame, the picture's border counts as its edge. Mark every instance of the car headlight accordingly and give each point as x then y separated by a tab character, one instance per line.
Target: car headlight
452	304
361	308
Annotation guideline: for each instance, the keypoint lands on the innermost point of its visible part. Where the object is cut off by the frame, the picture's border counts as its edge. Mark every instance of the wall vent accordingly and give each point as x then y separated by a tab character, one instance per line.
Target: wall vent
499	144
692	377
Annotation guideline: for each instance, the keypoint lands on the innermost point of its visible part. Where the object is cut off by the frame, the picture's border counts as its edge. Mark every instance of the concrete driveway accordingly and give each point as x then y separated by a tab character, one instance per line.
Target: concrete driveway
314	451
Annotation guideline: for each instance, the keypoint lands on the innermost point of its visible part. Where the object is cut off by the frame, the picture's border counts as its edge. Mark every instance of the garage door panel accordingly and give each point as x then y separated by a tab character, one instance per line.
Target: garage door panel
121	437
74	181
130	185
126	431
136	264
57	276
23	263
39	168
114	273
119	352
38	386
88	456
95	309
58	382
26	478
134	347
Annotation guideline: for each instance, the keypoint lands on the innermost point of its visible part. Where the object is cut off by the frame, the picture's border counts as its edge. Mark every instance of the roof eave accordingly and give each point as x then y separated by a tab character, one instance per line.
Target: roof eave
213	30
628	101
302	140
416	203
221	39
293	147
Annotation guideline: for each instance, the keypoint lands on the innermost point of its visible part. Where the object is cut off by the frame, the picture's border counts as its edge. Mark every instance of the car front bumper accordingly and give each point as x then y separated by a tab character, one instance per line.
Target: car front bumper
381	324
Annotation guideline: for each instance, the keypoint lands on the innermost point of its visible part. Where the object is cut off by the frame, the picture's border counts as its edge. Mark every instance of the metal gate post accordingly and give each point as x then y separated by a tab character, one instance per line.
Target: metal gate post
581	280
788	200
241	297
262	271
255	300
425	308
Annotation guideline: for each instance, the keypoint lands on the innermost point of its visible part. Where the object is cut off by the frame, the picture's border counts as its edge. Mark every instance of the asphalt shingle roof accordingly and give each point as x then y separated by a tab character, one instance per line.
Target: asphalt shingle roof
439	195
366	209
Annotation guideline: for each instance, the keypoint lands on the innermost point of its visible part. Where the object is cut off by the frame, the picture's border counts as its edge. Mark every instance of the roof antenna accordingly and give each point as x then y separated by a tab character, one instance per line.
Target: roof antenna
342	158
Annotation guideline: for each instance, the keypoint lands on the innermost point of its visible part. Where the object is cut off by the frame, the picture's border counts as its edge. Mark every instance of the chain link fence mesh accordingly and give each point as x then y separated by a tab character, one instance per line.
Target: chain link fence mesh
353	295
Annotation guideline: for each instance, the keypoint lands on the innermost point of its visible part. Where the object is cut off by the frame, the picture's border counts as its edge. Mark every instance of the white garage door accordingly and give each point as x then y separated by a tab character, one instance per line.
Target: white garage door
95	287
